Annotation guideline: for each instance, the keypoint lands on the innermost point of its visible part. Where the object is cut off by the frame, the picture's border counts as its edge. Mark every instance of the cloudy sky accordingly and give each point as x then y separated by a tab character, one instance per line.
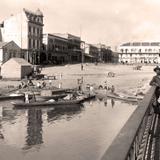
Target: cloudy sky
107	21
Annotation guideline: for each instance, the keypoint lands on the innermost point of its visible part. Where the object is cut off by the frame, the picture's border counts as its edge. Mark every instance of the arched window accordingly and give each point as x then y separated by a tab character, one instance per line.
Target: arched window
122	50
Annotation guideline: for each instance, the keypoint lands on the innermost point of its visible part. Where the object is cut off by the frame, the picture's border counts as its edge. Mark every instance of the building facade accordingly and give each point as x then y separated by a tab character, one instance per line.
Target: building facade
91	53
25	29
55	49
105	53
21	69
9	50
139	52
74	47
62	48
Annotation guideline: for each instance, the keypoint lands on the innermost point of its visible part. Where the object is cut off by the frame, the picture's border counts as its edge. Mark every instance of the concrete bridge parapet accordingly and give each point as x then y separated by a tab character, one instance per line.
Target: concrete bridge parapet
134	140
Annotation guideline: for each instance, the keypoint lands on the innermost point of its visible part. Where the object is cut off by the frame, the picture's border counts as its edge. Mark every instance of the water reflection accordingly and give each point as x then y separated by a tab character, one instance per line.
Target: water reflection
88	128
53	115
1	134
112	102
34	128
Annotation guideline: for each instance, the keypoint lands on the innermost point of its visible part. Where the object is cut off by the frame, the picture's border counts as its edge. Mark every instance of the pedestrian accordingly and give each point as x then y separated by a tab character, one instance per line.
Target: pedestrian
156	82
112	89
91	89
50	82
81	67
60	85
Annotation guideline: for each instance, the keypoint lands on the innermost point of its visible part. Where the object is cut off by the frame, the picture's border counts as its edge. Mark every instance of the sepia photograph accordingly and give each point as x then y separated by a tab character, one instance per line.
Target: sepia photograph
79	80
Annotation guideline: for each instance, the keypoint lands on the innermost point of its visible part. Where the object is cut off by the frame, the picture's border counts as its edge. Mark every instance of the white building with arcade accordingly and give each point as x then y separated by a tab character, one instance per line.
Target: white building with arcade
139	52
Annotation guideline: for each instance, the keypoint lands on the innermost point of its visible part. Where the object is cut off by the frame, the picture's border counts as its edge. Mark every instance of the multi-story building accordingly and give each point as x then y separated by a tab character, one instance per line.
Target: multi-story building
139	52
62	48
74	47
105	53
55	49
25	29
91	53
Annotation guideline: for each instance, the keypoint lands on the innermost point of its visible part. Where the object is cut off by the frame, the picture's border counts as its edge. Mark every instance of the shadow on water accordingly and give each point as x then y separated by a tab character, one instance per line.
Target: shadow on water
34	128
53	115
113	101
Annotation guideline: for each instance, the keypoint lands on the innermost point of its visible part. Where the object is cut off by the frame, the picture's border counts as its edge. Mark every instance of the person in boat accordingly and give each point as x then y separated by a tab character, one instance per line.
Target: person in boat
156	82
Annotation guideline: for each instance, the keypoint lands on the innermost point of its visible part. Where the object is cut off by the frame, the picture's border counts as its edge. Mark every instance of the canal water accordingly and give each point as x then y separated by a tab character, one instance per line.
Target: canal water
83	133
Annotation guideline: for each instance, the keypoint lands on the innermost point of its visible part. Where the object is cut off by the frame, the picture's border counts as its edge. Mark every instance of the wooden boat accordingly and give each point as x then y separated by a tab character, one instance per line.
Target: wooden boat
55	97
127	99
103	94
56	104
47	103
10	97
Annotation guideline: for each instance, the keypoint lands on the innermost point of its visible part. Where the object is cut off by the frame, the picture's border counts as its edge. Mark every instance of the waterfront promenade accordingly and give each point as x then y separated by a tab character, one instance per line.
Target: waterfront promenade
126	80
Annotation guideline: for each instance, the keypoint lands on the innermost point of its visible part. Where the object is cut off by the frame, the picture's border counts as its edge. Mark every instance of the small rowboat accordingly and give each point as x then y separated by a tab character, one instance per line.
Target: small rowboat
103	94
127	99
47	103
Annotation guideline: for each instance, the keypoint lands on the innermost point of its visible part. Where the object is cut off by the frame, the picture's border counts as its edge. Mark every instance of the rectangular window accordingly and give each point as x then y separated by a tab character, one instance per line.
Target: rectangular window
29	29
37	31
33	30
33	43
29	43
37	44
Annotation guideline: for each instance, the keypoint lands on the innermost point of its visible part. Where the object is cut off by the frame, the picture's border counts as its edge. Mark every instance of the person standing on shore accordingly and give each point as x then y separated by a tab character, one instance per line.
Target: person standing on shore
156	82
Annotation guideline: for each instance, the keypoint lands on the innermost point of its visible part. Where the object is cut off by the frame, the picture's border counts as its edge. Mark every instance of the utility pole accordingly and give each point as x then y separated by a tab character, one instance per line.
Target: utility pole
82	54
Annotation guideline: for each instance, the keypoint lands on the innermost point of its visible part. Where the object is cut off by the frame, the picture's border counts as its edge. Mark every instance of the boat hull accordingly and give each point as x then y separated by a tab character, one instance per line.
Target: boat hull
11	97
43	104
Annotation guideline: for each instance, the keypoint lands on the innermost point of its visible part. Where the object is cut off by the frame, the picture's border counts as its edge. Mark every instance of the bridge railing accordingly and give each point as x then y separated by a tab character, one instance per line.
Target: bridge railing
133	140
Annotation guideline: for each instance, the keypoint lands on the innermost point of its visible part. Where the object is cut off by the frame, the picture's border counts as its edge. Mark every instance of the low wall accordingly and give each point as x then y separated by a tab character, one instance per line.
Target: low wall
127	143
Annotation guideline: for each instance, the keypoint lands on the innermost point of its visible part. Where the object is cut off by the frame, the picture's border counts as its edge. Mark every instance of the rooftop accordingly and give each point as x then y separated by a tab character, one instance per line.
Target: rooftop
21	61
2	44
141	44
